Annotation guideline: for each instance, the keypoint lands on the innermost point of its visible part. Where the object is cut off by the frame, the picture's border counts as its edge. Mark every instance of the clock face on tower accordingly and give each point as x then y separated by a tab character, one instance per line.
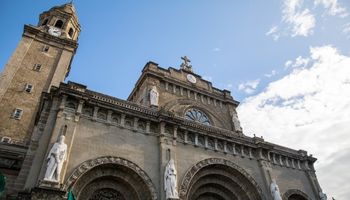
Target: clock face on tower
54	31
191	78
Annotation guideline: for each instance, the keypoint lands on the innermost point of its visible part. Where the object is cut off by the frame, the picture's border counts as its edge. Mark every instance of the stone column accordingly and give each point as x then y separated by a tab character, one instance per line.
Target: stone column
122	120
79	110
167	151
109	116
234	149
148	127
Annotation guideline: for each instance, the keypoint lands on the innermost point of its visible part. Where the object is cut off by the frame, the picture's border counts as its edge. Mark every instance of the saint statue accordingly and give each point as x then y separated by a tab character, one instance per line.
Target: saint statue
170	181
154	96
275	191
236	123
322	195
55	159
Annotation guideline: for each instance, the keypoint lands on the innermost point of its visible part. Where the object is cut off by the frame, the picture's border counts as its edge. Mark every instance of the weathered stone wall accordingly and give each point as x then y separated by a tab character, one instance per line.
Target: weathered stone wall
20	71
94	130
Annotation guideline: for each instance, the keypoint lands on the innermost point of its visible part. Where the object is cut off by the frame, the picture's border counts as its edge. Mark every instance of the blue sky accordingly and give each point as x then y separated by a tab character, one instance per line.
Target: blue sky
286	61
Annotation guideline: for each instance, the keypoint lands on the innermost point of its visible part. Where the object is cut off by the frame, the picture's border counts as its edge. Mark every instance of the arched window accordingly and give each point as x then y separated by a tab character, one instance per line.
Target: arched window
197	116
59	24
70	33
45	22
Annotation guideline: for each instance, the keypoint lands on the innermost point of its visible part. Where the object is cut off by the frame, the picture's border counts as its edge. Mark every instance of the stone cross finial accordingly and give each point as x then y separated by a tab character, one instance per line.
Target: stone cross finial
186	64
186	60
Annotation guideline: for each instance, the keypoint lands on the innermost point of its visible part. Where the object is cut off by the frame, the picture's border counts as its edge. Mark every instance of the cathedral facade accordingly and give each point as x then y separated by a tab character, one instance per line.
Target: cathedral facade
175	137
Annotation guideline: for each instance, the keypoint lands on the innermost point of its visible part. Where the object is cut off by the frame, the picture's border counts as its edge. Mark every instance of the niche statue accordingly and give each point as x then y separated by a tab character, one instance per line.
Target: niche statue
154	96
275	191
170	181
236	123
55	159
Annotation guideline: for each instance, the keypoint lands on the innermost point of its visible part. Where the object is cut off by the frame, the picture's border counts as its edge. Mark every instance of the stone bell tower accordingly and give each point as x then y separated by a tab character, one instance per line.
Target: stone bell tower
42	59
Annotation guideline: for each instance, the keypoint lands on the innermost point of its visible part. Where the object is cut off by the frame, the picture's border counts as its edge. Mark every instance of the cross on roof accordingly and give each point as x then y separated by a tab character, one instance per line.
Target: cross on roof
186	64
186	60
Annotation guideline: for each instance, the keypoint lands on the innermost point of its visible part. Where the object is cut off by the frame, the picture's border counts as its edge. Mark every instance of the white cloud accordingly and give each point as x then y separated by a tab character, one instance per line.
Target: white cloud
299	18
271	74
346	30
228	86
288	64
332	7
208	78
273	32
216	49
300	21
309	109
249	87
300	62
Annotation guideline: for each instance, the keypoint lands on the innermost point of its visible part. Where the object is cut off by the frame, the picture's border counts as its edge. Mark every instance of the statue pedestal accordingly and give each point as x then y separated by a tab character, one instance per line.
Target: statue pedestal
47	193
49	184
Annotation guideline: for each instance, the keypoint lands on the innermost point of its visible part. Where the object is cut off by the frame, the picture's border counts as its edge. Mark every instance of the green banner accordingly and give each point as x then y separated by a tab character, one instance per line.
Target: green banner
2	183
70	195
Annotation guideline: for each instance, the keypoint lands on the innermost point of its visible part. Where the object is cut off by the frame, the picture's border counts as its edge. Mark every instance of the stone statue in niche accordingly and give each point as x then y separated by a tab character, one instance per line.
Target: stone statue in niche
275	191
154	96
55	159
236	123
322	195
170	181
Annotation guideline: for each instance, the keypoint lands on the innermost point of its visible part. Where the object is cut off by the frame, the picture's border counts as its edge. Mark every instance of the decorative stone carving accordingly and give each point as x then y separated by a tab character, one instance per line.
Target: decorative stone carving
55	159
154	96
291	192
275	191
107	194
170	181
186	181
236	123
89	164
322	195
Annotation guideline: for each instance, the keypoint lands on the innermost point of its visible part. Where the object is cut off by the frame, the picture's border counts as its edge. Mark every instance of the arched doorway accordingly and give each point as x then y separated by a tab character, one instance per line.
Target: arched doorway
110	178
296	197
294	194
218	179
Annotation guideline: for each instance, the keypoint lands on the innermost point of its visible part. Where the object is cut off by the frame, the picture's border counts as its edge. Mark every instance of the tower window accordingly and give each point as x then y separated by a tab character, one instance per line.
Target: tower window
70	33
59	24
45	22
28	88
46	48
37	67
17	114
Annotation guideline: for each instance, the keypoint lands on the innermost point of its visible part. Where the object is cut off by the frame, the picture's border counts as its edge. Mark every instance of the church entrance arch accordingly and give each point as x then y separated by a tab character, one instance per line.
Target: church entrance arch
110	178
218	179
294	194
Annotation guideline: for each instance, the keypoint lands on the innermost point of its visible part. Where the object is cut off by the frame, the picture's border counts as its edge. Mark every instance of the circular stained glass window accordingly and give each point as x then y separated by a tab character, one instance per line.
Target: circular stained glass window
197	116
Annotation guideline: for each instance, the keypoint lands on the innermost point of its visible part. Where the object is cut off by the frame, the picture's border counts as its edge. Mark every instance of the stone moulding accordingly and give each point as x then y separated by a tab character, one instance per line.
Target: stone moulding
290	192
89	164
186	181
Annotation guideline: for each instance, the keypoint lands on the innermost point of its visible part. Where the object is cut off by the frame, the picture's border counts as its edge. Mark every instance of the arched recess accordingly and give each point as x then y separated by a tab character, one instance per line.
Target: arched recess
295	194
180	106
110	178
218	179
